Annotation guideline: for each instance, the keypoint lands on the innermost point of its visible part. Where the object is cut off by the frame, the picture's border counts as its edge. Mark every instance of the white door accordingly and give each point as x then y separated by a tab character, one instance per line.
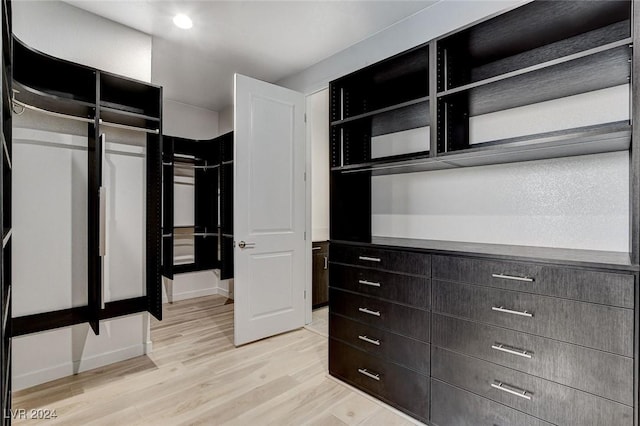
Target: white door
269	210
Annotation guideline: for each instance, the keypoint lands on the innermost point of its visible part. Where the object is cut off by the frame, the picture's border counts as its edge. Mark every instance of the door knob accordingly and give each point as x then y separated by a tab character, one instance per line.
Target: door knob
242	245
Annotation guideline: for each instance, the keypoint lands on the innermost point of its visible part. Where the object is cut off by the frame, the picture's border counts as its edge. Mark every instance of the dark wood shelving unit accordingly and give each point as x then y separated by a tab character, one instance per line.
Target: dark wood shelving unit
212	162
101	99
541	51
5	213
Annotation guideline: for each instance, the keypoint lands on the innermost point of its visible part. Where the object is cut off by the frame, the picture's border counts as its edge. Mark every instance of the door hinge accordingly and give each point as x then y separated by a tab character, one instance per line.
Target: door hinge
305	176
305	294
305	235
305	117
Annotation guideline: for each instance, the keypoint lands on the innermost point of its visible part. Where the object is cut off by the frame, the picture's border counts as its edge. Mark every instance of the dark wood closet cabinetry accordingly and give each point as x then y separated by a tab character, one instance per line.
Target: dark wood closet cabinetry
5	214
210	162
320	274
105	102
487	334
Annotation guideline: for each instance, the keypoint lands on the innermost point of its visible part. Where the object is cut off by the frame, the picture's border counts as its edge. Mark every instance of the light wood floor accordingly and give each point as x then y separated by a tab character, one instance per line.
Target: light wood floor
196	376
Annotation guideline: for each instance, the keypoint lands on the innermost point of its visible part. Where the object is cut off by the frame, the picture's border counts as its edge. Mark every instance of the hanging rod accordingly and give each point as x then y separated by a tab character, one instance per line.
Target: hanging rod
55	114
189	166
124	126
192	234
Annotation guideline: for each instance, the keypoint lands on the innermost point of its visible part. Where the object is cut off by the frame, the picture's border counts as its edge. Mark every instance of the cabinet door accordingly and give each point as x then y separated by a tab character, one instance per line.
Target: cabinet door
320	269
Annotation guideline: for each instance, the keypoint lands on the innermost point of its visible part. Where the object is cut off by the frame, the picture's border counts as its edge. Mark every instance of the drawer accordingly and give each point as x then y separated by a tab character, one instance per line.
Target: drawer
596	326
540	398
390	260
607	288
453	406
399	319
411	353
590	370
402	388
408	289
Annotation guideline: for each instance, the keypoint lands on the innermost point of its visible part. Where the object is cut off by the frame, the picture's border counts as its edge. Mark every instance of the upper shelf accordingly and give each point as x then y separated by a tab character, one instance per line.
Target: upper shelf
609	137
598	68
537	24
53	103
423	99
58	79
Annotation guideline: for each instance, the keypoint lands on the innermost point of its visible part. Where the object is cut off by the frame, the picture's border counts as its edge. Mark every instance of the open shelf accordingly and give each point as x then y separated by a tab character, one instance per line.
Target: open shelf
597	69
53	103
129	96
62	80
609	137
535	33
402	105
126	118
400	79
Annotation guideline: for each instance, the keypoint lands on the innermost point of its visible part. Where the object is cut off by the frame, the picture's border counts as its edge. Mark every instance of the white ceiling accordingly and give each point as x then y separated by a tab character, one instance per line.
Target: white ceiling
264	39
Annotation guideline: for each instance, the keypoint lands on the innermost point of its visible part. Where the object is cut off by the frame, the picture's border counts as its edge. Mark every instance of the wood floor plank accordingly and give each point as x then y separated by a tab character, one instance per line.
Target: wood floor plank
196	375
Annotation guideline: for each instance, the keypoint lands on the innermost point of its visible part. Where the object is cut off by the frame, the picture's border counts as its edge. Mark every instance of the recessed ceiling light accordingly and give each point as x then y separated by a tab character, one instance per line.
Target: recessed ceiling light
182	21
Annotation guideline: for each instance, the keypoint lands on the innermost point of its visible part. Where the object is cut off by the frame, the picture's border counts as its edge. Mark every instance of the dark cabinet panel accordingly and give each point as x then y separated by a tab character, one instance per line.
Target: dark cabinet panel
590	370
411	353
607	288
320	274
402	388
540	398
452	406
407	289
390	260
400	319
596	326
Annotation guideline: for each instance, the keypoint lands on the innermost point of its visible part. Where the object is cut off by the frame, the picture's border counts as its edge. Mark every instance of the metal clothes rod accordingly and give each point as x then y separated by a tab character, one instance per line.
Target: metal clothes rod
189	166
134	128
55	114
196	234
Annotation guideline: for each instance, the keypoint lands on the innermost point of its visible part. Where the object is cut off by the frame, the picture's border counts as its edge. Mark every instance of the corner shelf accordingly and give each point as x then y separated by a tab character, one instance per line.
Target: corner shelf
127	118
46	101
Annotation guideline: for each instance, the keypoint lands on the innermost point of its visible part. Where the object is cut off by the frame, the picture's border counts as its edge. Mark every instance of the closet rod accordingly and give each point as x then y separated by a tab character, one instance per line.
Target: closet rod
124	126
55	114
189	166
196	234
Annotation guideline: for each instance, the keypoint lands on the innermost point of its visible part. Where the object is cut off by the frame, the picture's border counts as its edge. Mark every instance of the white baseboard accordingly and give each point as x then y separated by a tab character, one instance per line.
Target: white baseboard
194	293
67	369
223	292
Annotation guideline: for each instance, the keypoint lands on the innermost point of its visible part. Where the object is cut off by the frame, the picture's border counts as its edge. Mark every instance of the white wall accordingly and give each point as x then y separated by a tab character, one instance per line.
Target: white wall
318	133
69	33
188	121
226	120
579	202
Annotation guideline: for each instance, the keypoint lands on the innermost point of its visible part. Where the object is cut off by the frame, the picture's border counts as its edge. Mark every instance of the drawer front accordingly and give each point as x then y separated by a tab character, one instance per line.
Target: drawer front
398	386
596	326
408	289
540	398
615	289
390	260
590	370
400	319
452	406
411	353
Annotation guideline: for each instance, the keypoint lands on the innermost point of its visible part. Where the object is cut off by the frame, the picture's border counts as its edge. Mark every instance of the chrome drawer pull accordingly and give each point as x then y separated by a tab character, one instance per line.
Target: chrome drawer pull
369	311
512	277
510	311
513	351
368	374
512	390
371	283
368	340
370	259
